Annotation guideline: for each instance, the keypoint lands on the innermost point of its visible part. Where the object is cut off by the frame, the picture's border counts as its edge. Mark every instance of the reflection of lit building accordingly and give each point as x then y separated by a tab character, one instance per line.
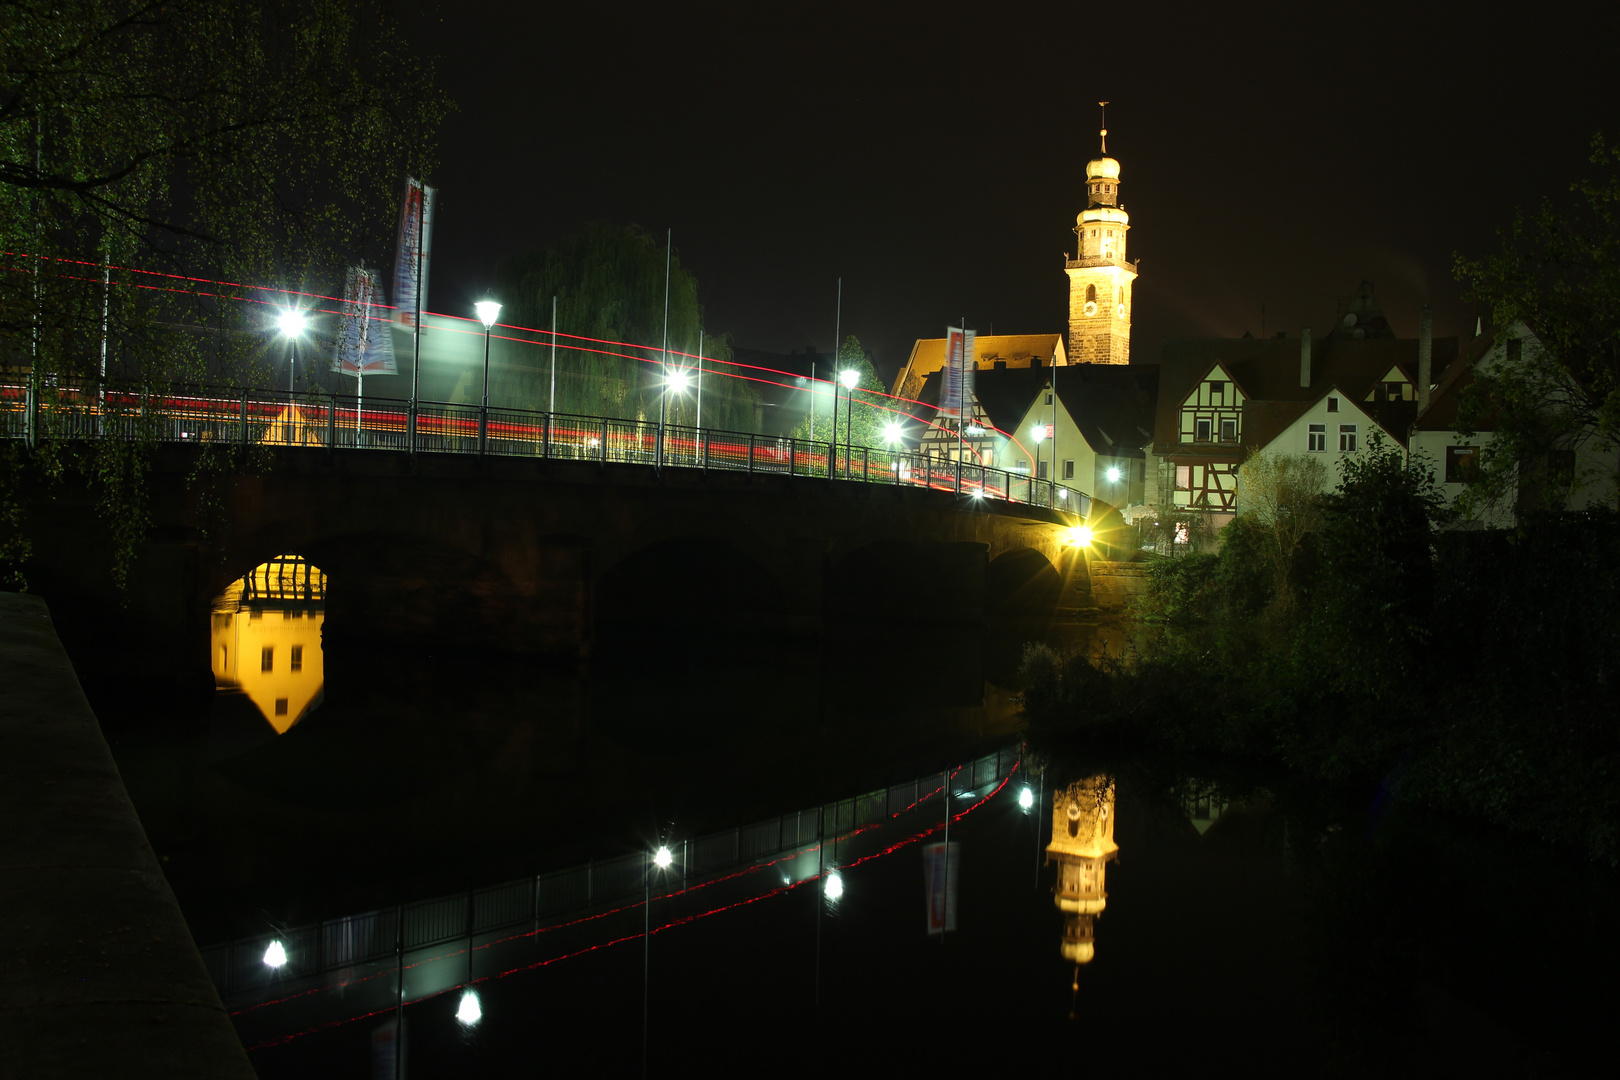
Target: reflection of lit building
1082	844
267	638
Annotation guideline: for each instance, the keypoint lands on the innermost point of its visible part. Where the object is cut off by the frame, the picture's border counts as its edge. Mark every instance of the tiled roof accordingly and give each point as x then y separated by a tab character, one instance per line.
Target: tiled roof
928	354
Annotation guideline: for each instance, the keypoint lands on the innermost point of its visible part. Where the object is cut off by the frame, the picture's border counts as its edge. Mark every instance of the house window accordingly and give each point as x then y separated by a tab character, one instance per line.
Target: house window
1316	438
1068	468
1228	431
1392	391
1183	477
1217	391
1022	466
267	658
1049	397
1333	404
1347	438
281	706
1040	470
1202	431
1462	464
296	661
1515	350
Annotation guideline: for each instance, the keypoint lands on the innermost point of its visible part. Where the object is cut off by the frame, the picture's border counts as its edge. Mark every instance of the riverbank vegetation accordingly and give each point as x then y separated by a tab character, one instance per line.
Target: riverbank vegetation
1348	638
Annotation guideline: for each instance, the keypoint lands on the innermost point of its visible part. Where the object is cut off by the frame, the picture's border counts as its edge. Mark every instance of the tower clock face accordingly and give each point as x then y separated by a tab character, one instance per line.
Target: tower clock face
1120	311
1091	307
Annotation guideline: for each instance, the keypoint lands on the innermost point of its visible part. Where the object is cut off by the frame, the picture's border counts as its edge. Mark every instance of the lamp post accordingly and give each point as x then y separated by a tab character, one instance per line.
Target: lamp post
661	859
291	324
849	377
892	437
488	310
1038	433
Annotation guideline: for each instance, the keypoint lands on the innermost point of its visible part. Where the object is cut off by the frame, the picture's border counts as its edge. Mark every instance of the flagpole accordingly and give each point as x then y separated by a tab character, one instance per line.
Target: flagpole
700	380
416	318
663	390
838	328
553	408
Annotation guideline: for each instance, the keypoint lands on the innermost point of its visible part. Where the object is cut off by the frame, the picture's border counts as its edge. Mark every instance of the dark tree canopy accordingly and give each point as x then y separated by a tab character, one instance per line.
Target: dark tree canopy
263	142
608	280
1557	274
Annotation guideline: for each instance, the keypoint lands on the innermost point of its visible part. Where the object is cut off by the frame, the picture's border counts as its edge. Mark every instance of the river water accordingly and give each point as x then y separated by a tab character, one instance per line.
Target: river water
1217	917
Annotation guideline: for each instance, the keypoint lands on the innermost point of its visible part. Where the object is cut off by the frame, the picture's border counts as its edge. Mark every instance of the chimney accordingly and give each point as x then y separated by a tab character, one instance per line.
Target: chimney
1305	358
1425	356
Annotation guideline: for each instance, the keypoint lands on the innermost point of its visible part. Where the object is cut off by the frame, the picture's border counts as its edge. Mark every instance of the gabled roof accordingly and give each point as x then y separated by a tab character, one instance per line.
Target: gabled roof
1444	399
1112	404
1268	372
928	354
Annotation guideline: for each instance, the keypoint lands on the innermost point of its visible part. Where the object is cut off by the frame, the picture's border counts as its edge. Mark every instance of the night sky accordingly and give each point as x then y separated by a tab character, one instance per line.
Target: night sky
1273	155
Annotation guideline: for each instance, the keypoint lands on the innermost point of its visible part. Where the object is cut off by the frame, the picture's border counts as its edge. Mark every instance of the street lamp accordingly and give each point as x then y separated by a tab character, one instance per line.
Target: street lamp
488	310
849	377
291	323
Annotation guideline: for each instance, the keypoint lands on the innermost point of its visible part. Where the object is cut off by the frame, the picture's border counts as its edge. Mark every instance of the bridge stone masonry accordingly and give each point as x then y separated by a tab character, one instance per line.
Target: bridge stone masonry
546	557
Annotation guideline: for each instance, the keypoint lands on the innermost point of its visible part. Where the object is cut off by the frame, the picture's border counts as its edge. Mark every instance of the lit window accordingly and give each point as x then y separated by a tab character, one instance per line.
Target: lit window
296	661
1183	477
1316	439
267	658
1201	431
1228	431
1462	464
1347	438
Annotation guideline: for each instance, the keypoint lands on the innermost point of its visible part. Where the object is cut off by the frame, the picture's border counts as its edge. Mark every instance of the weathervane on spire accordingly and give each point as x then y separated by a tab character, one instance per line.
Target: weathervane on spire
1103	106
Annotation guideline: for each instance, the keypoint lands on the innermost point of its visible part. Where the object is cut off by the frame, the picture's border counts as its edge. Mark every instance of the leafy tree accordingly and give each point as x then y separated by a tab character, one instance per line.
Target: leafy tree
1557	273
1277	496
261	142
609	284
1373	588
864	415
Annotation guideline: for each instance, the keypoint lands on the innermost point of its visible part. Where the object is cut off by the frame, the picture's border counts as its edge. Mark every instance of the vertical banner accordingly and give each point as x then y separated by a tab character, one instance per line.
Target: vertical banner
939	880
956	395
415	249
364	341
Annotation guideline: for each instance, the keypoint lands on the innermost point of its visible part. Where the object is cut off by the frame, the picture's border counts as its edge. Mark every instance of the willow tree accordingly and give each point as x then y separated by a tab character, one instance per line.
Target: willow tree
261	142
609	284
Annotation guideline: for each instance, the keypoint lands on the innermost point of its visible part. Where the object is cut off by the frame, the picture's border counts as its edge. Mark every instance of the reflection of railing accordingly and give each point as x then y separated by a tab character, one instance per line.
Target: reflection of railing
238	967
242	417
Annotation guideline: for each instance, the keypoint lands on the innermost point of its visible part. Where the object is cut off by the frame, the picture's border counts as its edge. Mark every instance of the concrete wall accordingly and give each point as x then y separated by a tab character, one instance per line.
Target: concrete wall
100	975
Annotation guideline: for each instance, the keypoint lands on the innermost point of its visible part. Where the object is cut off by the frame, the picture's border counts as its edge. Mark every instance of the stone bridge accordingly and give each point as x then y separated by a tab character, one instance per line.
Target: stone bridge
565	559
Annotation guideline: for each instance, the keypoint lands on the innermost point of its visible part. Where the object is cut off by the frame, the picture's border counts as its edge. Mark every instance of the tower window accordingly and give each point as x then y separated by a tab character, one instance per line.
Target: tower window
1091	294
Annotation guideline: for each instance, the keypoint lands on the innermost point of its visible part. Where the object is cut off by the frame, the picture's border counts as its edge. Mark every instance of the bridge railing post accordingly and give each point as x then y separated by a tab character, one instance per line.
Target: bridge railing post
244	422
604	440
958	464
331	423
750	453
705	462
866	464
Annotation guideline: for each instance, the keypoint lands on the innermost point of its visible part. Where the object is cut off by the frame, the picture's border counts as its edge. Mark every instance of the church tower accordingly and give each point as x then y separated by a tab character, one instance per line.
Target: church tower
1100	278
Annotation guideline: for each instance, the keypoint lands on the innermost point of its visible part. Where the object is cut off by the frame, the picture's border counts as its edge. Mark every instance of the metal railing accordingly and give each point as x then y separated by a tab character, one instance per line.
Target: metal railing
277	418
237	967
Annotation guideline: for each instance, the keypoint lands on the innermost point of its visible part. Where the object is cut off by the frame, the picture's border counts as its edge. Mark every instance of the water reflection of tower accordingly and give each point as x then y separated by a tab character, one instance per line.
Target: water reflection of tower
267	638
1082	845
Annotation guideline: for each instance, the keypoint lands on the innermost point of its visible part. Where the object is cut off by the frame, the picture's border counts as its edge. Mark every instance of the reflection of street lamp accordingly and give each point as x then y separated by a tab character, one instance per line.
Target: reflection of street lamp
487	312
849	377
661	859
835	885
275	955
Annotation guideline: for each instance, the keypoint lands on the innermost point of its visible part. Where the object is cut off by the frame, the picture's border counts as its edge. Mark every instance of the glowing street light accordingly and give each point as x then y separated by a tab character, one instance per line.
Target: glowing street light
488	312
1080	536
835	885
849	377
678	381
663	858
892	433
291	323
1026	798
1113	475
275	956
470	1011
